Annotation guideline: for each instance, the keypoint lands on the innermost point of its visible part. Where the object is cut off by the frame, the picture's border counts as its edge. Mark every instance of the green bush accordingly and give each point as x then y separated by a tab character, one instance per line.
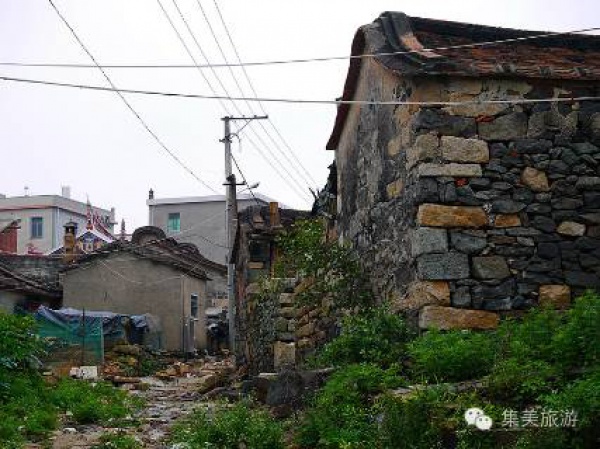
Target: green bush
341	414
18	341
452	356
92	403
376	336
229	428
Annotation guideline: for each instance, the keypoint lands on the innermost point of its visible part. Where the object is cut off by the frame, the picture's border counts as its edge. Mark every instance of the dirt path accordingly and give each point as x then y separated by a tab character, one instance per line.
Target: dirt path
166	402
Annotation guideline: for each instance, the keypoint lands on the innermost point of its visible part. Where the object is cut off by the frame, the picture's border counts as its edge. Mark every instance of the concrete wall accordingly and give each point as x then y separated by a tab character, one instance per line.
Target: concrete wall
8	300
208	221
126	284
486	208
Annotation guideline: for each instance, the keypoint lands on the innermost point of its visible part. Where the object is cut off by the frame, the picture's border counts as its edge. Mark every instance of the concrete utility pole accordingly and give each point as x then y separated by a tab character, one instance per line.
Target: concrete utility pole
231	220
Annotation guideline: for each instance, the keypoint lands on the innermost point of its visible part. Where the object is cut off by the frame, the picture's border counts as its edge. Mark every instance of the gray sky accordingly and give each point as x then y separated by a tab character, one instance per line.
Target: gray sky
91	142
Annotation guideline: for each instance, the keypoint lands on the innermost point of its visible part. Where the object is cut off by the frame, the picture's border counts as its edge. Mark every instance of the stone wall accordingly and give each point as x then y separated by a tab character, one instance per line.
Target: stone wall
280	333
488	208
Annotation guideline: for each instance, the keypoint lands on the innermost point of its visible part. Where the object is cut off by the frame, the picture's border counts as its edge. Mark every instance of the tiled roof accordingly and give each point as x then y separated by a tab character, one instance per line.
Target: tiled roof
561	57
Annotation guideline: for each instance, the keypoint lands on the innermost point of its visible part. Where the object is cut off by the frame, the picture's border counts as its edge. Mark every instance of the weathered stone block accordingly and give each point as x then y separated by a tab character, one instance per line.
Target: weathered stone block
428	240
284	354
588	183
558	296
468	243
452	170
507	221
288	312
443	266
457	149
446	318
491	267
423	293
393	189
437	215
425	148
536	180
306	330
506	127
281	324
286	299
571	228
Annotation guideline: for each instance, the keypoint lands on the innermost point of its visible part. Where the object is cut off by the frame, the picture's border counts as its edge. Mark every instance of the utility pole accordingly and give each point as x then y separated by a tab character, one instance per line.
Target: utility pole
231	220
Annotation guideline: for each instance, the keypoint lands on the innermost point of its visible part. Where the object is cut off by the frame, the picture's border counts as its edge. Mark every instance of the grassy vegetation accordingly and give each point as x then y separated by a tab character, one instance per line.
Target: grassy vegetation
549	360
230	427
30	406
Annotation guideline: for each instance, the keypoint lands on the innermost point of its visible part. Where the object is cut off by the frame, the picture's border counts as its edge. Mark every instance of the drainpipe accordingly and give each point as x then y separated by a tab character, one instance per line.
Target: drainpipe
183	323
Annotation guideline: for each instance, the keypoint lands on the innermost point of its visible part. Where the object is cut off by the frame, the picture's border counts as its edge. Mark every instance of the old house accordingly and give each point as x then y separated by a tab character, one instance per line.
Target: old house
26	282
151	274
469	178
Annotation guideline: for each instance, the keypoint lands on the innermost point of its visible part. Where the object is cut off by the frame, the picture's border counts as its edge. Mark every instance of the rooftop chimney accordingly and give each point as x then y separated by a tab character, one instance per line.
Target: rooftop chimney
66	192
69	243
151	194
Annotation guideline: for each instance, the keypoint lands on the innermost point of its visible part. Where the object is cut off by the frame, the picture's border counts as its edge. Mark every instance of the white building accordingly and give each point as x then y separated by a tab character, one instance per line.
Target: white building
42	219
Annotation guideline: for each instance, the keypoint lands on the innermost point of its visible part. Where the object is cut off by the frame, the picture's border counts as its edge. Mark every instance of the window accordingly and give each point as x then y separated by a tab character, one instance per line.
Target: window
174	222
37	227
194	306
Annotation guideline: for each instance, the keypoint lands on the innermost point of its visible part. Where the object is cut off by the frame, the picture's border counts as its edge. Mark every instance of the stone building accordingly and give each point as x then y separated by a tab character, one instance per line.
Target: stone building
483	196
151	274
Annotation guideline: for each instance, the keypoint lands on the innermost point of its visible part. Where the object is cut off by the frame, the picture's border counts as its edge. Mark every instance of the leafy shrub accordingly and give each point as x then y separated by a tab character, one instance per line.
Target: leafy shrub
521	381
18	341
229	428
334	271
341	414
376	336
89	403
452	356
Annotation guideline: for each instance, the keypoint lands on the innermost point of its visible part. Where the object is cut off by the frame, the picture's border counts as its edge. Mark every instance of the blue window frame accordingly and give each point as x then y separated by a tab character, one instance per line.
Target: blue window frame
37	227
174	222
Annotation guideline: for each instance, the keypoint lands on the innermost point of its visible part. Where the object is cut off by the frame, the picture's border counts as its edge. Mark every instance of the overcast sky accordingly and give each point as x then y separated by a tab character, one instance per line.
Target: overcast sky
90	141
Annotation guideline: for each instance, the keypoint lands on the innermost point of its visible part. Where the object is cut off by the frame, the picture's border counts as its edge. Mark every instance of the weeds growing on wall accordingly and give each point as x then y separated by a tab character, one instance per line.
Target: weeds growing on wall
329	269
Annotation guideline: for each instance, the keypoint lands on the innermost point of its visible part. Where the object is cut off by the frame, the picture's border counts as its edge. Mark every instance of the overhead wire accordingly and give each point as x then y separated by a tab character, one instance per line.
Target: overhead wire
303	60
292	163
300	101
254	92
236	107
221	99
127	103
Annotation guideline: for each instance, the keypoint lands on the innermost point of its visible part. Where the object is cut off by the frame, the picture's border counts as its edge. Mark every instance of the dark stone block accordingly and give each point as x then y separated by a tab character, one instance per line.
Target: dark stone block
569	157
465	195
548	250
490	267
479	183
507	206
504	289
587	244
427	190
526	289
563	187
502	186
532	146
591	200
466	243
543	197
443	266
429	119
514	251
543	223
558	166
512	178
537	208
506	127
493	304
589	261
566	203
523	195
461	298
538	265
585	148
495	166
498	150
522	232
582	279
564	215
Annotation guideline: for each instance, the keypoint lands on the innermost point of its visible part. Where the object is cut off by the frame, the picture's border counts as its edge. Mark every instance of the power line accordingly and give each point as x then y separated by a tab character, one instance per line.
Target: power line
309	177
244	179
301	60
213	90
235	106
129	106
297	101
